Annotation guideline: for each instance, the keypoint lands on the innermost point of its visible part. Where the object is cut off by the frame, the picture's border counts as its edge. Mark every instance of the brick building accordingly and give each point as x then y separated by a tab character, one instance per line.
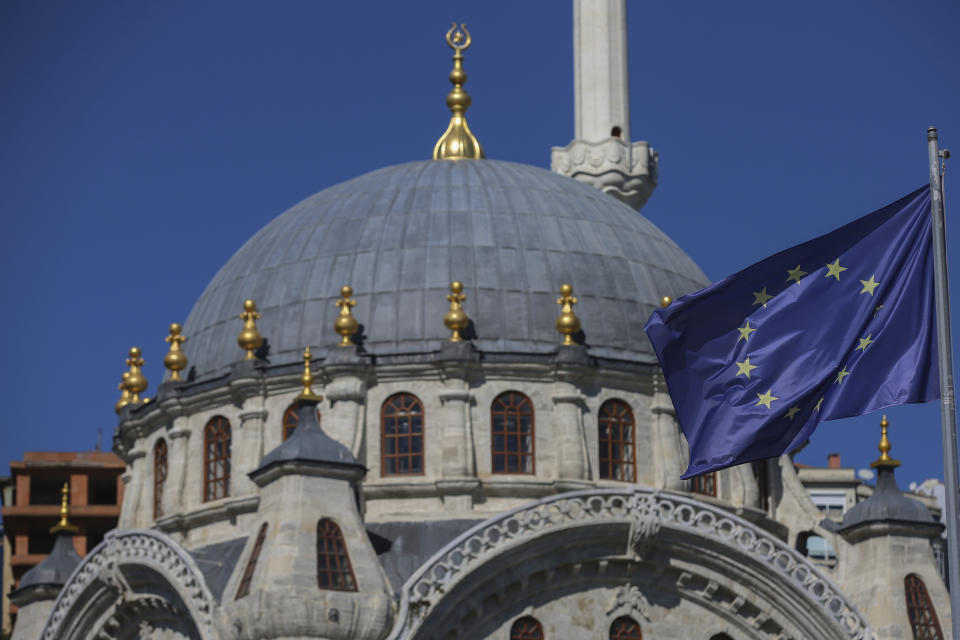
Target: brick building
31	506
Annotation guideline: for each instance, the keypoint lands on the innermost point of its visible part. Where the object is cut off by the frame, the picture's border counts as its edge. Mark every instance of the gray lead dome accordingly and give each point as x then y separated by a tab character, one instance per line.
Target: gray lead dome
511	233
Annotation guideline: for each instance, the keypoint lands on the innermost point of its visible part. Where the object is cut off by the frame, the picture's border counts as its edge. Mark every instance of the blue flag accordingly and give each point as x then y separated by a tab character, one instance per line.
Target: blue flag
836	327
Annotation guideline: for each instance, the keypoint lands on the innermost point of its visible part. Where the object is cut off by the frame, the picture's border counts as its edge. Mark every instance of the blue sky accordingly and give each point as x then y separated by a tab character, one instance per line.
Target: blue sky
142	143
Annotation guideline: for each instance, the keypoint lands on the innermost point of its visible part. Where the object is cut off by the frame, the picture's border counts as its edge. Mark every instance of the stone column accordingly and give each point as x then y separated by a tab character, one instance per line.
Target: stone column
668	447
133	478
568	408
458	464
347	393
248	451
178	460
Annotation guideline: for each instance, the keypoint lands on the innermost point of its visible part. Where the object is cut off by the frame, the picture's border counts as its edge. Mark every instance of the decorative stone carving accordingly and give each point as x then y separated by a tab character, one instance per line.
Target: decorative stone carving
652	516
629	600
627	171
102	571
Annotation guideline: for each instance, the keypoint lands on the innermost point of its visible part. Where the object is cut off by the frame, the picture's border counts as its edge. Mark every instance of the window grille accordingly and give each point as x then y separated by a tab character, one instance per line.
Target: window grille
216	460
333	562
625	628
401	435
526	628
513	433
159	476
244	587
923	618
705	484
291	420
617	435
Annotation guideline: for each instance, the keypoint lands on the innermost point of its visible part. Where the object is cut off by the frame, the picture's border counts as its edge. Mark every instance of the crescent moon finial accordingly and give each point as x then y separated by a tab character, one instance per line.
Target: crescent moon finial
458	38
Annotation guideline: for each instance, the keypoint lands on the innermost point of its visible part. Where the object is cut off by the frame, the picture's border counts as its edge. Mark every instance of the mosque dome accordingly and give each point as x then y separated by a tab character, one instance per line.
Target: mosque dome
511	233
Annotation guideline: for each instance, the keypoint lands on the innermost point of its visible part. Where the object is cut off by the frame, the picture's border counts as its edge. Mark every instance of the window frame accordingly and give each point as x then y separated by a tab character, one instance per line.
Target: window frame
216	430
290	421
923	627
625	634
409	411
607	418
160	468
525	634
243	589
704	484
332	533
506	412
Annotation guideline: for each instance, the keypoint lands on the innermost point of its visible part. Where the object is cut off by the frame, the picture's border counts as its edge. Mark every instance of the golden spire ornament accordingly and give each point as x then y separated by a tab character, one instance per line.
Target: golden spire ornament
64	524
307	380
884	460
135	382
456	318
176	359
567	322
345	324
124	394
458	141
665	301
250	338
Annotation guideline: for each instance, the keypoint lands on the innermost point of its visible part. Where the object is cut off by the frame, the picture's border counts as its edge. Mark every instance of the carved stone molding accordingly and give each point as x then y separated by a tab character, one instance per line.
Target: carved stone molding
101	578
627	171
629	600
654	519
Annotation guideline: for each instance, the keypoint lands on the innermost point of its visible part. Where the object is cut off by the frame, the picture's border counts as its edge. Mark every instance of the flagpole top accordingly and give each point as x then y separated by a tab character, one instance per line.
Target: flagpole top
884	460
931	133
665	302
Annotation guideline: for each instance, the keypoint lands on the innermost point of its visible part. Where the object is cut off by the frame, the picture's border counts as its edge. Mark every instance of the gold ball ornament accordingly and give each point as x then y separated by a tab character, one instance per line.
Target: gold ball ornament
345	325
175	360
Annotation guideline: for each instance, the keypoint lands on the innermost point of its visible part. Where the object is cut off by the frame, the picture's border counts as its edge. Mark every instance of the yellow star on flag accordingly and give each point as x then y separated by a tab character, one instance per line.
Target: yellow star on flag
745	332
761	297
834	269
877	310
864	343
869	285
792	411
795	274
842	373
819	402
766	398
744	368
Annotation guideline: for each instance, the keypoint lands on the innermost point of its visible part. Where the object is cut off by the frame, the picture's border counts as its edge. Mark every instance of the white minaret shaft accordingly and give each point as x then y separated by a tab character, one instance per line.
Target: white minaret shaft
601	82
601	153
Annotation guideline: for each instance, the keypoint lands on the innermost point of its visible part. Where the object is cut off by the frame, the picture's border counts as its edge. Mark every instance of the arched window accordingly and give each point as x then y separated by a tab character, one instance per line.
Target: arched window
617	437
244	587
216	459
159	476
923	619
291	420
526	628
333	562
625	628
401	435
513	433
705	484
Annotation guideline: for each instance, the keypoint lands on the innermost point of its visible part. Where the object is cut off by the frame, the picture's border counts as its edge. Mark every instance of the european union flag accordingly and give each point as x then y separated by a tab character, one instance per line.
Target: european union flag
836	327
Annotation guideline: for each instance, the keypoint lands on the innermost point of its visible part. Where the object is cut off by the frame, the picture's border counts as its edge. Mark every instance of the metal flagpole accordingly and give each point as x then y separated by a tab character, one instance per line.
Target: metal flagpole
948	414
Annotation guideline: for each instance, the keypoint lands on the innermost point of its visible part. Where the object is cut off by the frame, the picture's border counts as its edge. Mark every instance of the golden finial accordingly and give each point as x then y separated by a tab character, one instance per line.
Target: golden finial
665	301
124	394
307	380
64	524
884	460
135	382
458	141
456	319
567	323
176	359
250	338
345	324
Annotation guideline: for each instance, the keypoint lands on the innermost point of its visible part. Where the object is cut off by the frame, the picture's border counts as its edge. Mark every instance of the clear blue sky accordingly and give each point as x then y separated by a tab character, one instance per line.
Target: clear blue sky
142	143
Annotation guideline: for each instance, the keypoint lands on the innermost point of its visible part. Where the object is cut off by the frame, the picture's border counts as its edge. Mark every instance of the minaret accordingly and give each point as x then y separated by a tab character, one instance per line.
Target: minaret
601	153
